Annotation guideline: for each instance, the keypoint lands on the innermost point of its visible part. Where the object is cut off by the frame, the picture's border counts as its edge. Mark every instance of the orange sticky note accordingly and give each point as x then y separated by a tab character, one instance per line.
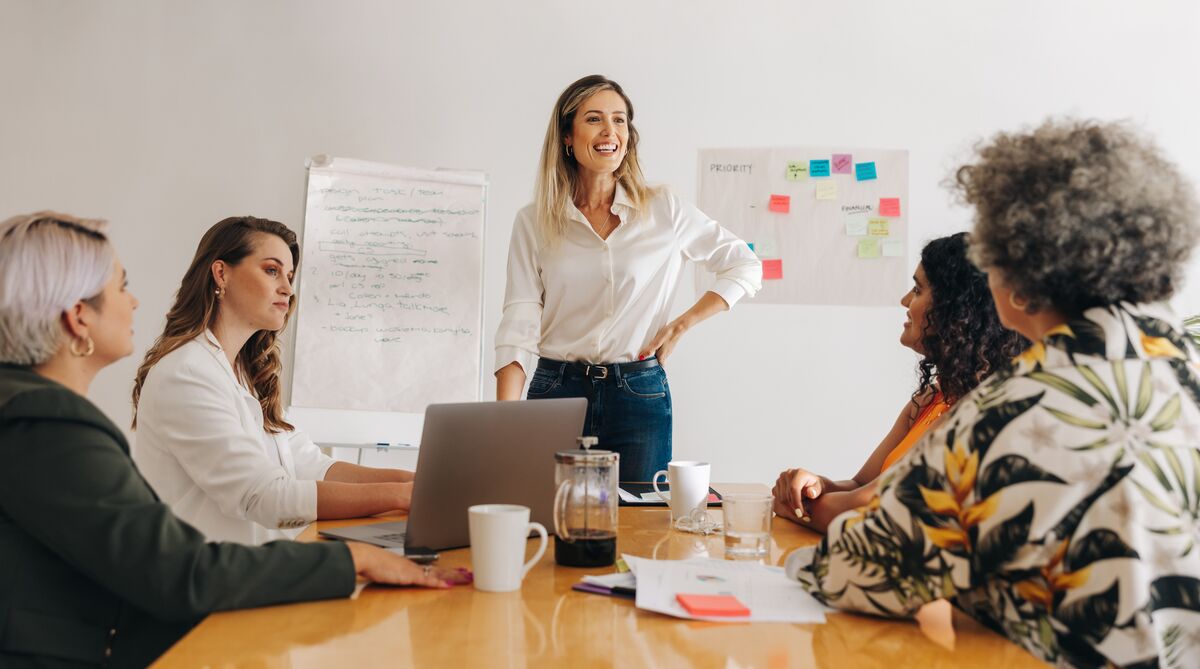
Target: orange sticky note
772	269
889	206
713	605
780	203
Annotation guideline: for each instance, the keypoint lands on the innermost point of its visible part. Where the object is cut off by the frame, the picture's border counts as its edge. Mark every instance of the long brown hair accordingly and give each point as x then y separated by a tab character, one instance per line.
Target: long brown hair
557	170
195	310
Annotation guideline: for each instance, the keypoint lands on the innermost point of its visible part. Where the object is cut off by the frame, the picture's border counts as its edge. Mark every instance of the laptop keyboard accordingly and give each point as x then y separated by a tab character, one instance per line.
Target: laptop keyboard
397	537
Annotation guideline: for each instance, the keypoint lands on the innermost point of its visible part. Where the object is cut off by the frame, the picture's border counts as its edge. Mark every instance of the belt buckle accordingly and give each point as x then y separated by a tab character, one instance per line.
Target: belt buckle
603	372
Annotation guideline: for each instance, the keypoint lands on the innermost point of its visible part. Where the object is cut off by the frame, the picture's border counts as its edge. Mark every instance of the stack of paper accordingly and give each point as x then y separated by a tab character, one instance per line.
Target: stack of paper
769	594
620	584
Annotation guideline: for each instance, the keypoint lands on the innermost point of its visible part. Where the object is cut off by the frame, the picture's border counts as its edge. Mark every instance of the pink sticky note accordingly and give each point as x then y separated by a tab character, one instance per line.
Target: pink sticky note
781	203
889	206
842	162
772	269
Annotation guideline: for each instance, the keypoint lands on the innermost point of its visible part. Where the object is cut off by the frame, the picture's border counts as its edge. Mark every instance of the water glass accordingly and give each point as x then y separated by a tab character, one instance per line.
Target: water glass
747	525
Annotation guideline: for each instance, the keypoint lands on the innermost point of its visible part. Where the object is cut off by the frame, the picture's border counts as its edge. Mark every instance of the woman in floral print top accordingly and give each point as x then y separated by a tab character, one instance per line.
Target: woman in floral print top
1059	502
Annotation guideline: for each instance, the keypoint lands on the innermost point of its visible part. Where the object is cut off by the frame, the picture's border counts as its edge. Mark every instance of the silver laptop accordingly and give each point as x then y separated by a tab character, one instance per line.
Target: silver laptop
478	453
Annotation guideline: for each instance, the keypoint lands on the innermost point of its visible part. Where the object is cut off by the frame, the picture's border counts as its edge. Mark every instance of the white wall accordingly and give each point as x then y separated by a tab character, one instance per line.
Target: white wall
166	116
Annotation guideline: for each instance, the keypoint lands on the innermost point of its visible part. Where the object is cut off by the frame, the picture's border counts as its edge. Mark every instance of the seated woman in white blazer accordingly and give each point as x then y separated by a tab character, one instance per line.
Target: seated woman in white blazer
211	435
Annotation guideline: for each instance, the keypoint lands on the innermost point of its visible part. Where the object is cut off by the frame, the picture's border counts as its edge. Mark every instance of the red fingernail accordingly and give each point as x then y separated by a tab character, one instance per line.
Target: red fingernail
641	357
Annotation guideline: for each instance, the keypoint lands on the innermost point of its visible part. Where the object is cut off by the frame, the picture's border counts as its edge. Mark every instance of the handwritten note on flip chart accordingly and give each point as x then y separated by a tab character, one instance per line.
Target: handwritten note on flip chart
889	206
868	247
797	170
780	204
772	269
391	278
877	227
865	171
893	248
856	227
827	190
842	163
818	168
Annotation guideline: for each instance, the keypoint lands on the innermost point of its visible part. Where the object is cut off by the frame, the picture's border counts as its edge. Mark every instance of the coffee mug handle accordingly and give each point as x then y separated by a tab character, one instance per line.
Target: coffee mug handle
541	530
654	482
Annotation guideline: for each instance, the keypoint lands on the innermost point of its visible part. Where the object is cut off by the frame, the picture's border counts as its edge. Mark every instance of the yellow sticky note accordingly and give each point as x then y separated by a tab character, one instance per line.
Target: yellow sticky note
877	227
868	247
827	190
797	170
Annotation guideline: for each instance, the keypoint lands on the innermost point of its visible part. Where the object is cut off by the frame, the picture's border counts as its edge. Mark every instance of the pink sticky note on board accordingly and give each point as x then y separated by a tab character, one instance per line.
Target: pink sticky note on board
780	203
842	162
889	206
772	269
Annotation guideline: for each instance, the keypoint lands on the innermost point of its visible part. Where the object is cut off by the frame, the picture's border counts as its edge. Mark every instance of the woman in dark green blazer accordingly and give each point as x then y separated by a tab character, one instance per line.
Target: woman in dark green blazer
96	571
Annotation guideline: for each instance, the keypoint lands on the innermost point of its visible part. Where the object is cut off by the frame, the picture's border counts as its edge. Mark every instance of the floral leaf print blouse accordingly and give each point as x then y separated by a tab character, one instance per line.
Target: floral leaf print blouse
1058	503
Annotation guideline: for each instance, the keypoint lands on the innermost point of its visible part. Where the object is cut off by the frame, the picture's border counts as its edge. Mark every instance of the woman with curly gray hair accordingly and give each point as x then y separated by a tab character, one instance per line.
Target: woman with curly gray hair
1059	502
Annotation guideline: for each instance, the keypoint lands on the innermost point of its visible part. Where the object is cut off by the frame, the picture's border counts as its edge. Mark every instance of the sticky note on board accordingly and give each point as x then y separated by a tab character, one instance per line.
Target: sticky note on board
766	248
827	190
772	269
878	227
868	247
797	170
889	206
781	204
842	162
892	248
856	227
818	168
865	171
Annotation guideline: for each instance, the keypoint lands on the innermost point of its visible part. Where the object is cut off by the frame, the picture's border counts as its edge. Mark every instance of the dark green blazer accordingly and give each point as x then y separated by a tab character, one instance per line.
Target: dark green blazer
94	569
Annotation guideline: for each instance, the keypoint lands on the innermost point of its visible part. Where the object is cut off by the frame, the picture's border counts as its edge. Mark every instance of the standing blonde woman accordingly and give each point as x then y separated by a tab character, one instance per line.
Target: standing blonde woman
96	570
593	270
212	438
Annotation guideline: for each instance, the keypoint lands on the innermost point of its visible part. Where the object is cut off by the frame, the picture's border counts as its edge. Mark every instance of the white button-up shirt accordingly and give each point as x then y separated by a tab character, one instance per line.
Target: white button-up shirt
202	445
593	300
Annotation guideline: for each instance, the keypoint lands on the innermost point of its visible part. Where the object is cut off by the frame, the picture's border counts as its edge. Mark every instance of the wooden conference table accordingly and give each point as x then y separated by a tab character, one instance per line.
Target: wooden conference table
546	624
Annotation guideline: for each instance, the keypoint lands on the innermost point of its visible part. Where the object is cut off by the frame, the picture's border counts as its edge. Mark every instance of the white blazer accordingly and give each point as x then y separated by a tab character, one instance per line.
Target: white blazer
201	444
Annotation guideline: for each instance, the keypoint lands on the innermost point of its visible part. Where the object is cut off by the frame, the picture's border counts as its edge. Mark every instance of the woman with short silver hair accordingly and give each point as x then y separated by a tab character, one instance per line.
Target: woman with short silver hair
96	570
1058	503
593	270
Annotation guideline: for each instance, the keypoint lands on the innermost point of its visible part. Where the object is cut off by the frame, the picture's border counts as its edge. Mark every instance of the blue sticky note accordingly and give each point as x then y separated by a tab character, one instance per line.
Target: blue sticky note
751	245
864	171
818	168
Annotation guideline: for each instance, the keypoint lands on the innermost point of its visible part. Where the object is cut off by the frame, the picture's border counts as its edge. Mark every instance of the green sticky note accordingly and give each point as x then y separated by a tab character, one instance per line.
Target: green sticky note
766	248
797	170
877	227
893	249
868	247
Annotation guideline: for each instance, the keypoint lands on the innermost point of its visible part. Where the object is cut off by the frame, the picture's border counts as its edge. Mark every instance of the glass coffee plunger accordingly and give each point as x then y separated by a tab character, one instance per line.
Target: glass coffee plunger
585	506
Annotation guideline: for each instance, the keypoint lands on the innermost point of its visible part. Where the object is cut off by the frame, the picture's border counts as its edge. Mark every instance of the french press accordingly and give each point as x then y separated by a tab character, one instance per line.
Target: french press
585	506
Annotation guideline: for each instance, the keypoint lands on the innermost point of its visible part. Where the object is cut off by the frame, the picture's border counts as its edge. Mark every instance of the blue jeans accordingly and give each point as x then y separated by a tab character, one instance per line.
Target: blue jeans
629	413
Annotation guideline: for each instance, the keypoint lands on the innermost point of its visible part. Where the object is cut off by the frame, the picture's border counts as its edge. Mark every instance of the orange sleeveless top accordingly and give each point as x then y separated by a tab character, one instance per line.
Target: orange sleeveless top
932	411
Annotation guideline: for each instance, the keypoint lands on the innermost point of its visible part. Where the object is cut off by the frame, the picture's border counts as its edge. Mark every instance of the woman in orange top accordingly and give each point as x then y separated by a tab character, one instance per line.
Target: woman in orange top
952	323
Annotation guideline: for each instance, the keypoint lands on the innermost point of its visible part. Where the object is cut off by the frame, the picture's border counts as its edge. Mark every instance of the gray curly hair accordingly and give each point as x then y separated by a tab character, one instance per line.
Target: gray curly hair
1077	214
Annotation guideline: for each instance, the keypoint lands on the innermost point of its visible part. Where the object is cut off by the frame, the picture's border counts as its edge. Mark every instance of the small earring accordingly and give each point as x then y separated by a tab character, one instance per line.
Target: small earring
91	348
1013	301
570	150
220	292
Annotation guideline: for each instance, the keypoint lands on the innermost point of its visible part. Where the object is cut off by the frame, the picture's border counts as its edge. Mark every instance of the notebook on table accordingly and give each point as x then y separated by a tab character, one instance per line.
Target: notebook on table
642	494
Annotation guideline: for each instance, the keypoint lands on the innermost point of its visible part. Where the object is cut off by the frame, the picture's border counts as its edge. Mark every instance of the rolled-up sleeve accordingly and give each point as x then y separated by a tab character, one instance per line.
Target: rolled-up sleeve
189	410
311	463
520	330
706	242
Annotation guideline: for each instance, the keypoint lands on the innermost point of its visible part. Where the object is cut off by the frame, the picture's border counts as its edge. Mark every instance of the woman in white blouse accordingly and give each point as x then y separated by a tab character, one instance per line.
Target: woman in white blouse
593	269
211	435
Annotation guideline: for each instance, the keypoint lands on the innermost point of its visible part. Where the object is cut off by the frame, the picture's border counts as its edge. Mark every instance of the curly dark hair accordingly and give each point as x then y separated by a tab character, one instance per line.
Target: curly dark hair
1079	214
963	338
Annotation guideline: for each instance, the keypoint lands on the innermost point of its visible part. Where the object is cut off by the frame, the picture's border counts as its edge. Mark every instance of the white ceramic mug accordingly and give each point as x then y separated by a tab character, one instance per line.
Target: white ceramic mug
689	486
498	535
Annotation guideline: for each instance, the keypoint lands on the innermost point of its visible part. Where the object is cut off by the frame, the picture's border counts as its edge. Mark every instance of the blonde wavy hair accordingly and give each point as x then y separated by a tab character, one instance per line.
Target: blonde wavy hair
259	362
557	170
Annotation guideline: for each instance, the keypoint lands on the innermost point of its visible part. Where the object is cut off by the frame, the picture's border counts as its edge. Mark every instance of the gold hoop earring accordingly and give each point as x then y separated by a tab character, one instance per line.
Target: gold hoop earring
91	348
570	150
1013	301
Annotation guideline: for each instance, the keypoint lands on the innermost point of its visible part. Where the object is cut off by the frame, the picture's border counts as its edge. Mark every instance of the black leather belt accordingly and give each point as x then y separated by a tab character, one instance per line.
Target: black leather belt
599	371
